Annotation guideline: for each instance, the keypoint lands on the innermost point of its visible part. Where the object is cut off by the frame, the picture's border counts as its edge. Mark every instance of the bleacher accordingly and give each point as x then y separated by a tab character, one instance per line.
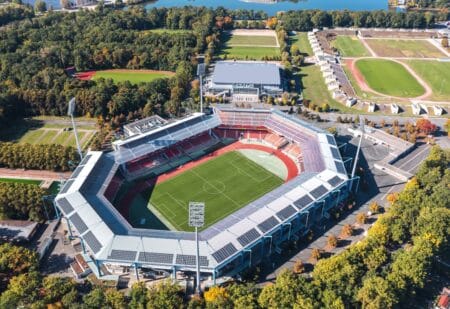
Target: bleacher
113	188
275	140
293	151
241	119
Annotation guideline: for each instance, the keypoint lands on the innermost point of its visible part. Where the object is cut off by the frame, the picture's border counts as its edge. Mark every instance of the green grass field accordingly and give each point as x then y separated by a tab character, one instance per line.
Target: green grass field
389	77
250	53
23	181
404	48
225	184
301	40
133	76
247	40
55	136
349	46
436	74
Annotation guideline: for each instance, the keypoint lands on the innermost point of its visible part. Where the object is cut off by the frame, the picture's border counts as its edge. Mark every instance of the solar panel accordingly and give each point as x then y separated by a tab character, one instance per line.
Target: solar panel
78	223
92	242
64	205
303	201
335	153
185	259
123	255
335	181
331	140
248	237
76	172
224	252
153	257
286	212
85	160
319	191
67	186
268	224
340	167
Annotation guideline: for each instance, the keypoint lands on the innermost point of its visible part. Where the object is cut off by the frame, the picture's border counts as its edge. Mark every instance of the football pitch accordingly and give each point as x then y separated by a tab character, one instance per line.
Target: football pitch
225	184
350	46
133	76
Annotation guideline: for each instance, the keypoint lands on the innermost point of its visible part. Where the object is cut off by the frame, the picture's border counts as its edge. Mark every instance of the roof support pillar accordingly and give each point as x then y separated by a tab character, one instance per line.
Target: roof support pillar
136	271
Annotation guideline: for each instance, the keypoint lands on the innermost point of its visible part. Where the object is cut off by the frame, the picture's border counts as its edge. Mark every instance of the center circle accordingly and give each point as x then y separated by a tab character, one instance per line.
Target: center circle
214	187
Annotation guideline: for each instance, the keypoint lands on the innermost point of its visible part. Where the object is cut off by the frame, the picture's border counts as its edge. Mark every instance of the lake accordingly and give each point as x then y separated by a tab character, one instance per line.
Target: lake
267	6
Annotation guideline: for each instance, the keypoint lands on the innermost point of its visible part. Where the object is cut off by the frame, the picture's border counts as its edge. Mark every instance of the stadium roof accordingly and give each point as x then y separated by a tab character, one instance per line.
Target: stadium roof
111	238
246	73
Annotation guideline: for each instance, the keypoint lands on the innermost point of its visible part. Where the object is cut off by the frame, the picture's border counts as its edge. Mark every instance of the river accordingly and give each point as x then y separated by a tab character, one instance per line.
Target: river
271	7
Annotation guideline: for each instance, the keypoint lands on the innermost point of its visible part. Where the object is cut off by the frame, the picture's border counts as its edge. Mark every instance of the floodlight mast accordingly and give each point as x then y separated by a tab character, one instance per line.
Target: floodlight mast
70	112
201	69
361	127
197	219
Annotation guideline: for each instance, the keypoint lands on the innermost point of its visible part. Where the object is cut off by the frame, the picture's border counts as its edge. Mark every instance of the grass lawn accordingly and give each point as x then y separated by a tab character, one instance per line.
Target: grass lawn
436	74
404	48
315	90
249	52
247	40
389	77
24	181
349	46
225	184
133	76
301	40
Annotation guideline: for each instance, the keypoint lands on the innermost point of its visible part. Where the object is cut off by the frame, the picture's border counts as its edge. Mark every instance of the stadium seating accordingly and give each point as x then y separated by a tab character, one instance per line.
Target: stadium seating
275	140
236	118
113	187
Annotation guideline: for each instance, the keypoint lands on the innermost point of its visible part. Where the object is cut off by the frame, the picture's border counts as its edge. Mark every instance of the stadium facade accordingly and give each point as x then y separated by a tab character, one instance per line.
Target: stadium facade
241	240
245	81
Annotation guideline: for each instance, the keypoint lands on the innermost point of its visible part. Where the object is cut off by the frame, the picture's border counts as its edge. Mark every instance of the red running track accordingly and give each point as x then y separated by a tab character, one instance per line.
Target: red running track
126	201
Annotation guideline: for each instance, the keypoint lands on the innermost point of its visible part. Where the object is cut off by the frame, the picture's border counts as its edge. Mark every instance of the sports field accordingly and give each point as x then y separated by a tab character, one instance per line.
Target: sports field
389	77
436	74
225	184
349	46
56	136
404	48
301	41
243	45
133	76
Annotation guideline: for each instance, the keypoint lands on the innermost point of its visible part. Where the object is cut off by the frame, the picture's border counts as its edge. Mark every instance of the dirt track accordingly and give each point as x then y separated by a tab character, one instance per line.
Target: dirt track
33	174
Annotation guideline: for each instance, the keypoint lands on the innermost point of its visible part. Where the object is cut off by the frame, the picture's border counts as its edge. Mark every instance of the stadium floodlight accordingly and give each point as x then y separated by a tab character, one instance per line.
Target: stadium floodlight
197	219
361	128
201	71
70	112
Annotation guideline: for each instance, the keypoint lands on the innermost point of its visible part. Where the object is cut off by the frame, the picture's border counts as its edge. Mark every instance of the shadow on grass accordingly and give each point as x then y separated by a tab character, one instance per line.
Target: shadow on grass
16	130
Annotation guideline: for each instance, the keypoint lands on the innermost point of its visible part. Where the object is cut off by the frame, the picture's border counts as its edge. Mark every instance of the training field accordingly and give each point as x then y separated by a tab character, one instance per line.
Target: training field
436	74
225	184
349	46
57	136
133	76
404	48
389	77
249	44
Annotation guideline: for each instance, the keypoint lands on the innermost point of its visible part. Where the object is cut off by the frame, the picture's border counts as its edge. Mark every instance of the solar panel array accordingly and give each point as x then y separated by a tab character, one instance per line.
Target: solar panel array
335	181
153	257
286	212
335	153
303	201
248	237
123	255
224	252
268	224
85	160
319	191
185	259
340	167
65	205
331	140
78	223
67	186
92	242
76	172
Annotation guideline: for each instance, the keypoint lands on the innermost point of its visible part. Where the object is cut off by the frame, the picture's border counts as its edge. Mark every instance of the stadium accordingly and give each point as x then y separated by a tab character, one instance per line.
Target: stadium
266	178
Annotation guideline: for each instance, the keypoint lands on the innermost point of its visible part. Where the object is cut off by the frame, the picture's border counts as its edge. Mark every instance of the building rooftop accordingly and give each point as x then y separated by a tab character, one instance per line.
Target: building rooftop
17	230
246	73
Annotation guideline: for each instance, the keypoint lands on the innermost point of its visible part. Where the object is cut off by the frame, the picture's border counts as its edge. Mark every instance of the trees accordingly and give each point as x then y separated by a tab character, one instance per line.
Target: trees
425	126
374	208
444	42
332	241
315	254
376	293
347	231
165	295
299	267
40	6
361	218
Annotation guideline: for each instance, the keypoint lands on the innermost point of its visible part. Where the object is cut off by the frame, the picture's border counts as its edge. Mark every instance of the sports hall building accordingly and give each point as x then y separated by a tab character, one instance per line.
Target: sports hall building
243	239
245	81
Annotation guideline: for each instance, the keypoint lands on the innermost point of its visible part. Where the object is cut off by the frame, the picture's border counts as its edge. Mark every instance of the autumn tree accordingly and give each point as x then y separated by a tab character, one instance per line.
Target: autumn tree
425	126
299	267
361	218
332	241
347	231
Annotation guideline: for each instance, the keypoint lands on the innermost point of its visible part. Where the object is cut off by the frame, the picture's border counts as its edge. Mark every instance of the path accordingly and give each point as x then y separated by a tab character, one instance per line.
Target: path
367	46
439	46
33	174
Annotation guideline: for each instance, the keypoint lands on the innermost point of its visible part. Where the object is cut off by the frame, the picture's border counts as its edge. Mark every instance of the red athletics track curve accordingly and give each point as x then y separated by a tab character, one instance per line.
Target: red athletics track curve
125	203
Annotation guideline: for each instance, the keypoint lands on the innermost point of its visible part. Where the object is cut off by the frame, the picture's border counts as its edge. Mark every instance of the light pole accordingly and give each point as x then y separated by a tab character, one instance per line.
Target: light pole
361	127
70	112
197	219
201	69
